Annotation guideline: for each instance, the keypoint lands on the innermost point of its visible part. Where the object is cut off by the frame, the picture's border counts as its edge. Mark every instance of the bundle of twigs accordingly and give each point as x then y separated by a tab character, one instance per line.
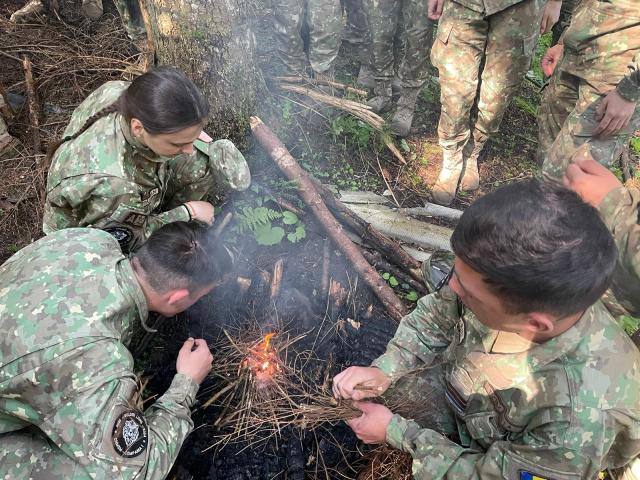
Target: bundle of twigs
384	463
357	109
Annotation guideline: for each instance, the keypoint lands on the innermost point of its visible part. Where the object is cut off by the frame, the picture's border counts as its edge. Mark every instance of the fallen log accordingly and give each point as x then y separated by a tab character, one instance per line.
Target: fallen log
307	190
390	248
376	261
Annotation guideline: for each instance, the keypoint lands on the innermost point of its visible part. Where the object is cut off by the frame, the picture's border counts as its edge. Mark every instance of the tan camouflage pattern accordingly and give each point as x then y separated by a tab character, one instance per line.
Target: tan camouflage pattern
107	179
324	21
566	12
620	210
601	53
68	306
505	41
399	39
560	410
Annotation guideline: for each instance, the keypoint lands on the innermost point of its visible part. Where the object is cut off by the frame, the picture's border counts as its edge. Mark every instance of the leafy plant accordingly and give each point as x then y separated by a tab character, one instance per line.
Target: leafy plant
355	132
412	296
630	324
635	145
260	222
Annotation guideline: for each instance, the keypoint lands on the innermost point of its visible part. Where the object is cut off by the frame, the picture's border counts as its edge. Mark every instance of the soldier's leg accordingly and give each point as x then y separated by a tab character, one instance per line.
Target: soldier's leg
324	19
414	69
288	16
566	12
457	52
578	130
383	15
129	11
511	42
558	100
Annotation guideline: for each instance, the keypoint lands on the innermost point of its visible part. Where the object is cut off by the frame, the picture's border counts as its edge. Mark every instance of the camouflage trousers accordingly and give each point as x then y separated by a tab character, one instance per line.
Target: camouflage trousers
566	12
397	26
420	396
129	11
323	21
566	120
481	61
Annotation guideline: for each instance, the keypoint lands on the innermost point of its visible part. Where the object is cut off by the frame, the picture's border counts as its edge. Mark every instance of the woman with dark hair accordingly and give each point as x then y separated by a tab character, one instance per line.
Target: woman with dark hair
134	158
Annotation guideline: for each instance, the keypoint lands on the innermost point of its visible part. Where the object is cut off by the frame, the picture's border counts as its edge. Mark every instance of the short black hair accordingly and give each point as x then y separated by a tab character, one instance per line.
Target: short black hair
182	255
539	247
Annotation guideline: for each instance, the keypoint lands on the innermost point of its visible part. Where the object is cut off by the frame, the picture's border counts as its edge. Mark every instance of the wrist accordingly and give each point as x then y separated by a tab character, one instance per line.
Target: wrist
190	211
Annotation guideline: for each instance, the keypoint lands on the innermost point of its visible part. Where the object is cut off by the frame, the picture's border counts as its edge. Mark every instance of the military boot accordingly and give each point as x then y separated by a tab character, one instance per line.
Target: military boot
444	190
365	76
471	177
401	122
396	86
382	97
92	9
29	12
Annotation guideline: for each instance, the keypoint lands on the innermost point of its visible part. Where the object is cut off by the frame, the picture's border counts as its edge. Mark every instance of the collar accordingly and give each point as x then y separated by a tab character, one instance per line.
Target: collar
137	145
131	287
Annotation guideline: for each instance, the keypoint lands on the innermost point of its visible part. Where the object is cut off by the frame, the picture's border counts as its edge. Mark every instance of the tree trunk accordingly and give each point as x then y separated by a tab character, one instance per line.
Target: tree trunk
213	43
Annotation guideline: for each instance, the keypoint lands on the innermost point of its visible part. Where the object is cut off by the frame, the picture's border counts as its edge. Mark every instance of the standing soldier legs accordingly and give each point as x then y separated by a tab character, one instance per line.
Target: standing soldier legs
288	18
324	18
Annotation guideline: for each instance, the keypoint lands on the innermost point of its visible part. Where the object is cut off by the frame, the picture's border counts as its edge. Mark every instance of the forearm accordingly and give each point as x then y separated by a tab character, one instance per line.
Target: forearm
629	86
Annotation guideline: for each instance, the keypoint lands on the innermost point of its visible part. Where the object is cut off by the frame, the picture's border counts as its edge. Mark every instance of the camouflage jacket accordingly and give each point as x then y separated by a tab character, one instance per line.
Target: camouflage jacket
489	7
68	304
620	211
107	179
602	44
560	410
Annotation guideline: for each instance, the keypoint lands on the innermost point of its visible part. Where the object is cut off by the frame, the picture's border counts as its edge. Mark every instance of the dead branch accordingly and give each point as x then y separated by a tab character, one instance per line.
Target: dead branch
326	261
276	279
287	206
359	110
310	195
34	107
316	81
376	261
387	246
385	462
148	51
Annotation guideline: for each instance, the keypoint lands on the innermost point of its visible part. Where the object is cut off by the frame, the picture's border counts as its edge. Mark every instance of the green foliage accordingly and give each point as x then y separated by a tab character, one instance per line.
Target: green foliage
526	106
13	248
617	172
260	222
355	132
412	296
630	324
544	42
635	145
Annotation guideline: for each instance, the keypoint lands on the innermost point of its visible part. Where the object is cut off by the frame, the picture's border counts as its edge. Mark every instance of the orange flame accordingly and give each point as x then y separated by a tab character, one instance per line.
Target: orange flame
267	340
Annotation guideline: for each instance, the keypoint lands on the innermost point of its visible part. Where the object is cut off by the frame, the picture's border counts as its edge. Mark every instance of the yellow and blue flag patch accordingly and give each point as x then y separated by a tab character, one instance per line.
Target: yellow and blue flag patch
531	476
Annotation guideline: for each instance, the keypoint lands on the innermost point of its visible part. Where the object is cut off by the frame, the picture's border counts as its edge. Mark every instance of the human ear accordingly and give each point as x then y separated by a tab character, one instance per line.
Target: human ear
540	322
174	297
137	129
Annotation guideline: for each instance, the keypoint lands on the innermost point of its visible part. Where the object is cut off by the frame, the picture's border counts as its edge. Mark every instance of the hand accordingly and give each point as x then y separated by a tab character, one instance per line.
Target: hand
550	15
194	359
370	377
204	136
201	211
551	58
614	114
371	426
589	179
434	9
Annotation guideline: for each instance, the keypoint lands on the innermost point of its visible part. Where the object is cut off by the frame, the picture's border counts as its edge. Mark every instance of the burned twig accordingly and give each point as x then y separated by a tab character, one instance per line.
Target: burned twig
310	195
385	462
34	107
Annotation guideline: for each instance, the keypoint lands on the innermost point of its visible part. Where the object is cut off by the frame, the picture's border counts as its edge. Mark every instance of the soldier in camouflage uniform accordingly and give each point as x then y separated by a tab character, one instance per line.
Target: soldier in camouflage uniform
532	363
106	177
322	19
482	51
69	402
595	88
386	19
129	11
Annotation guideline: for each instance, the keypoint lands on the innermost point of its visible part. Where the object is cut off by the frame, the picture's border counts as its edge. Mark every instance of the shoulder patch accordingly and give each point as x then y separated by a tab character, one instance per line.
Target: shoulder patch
130	434
524	475
122	234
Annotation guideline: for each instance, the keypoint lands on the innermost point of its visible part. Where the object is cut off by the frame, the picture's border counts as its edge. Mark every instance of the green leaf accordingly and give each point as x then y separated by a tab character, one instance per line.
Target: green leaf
386	275
630	324
412	296
635	145
393	282
298	235
267	235
289	218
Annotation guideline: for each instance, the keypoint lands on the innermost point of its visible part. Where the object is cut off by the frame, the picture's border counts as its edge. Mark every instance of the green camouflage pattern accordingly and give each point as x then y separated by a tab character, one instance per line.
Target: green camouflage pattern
322	19
129	11
68	305
566	12
620	210
493	49
601	53
107	179
560	410
399	39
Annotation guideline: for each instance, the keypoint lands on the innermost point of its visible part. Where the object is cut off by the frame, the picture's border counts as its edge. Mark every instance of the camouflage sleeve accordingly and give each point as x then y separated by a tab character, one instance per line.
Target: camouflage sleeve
154	222
551	447
190	178
620	211
421	334
629	86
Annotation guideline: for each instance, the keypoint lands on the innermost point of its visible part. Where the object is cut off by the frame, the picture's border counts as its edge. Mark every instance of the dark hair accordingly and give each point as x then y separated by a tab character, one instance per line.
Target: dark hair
163	99
539	247
182	255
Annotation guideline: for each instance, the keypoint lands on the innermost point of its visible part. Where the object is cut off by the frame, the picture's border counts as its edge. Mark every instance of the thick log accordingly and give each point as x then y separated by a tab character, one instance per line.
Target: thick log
388	247
376	261
311	197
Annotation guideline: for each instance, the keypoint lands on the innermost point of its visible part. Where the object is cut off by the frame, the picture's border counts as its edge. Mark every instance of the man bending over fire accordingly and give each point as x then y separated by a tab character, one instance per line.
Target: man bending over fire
535	378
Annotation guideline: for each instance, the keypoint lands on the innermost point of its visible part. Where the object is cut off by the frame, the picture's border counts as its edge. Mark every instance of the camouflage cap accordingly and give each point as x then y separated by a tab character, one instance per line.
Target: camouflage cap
227	163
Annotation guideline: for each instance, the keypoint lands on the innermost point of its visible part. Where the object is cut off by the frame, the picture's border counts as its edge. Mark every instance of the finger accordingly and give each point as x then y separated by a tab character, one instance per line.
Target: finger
187	345
591	167
573	173
602	126
616	126
611	129
543	24
200	343
601	109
